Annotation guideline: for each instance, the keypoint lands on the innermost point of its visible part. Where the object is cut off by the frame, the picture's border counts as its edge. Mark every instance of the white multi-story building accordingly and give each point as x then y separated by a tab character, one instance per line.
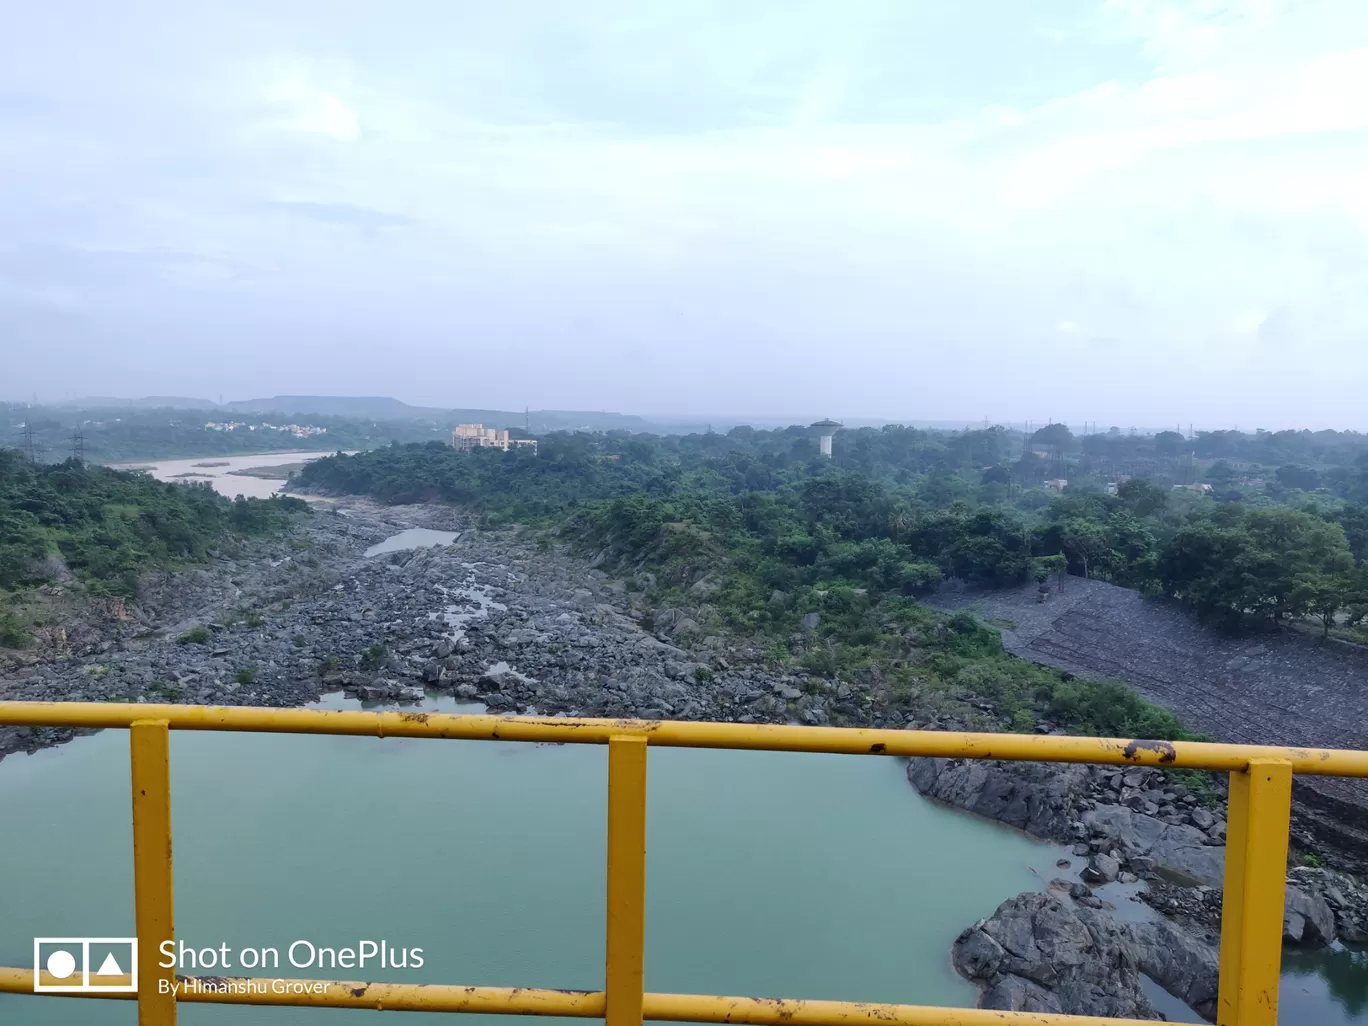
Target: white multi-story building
477	436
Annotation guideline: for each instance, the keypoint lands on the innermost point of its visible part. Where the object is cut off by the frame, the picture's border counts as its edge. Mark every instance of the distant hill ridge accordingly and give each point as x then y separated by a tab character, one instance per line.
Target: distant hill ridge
374	408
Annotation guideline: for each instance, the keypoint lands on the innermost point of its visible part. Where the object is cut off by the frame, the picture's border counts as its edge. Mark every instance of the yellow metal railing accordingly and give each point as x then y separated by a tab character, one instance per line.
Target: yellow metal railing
1251	929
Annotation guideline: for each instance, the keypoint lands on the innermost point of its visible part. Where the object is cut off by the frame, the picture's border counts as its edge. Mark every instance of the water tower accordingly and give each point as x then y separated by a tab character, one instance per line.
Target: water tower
827	429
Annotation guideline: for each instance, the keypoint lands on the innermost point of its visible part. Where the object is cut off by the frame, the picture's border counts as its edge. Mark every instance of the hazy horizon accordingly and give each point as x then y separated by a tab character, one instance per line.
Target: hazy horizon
1129	211
725	420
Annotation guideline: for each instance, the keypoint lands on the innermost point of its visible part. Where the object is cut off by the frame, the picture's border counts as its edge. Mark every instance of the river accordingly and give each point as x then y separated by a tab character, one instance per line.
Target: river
218	471
769	873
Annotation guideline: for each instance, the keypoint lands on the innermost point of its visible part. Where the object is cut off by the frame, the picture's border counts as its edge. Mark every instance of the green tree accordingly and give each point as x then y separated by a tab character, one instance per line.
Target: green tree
1057	435
1252	561
1084	540
1322	596
1045	567
1170	443
1305	478
1221	474
1142	497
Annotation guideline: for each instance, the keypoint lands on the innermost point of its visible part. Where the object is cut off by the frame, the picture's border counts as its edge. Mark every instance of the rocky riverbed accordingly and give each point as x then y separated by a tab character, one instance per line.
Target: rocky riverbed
491	617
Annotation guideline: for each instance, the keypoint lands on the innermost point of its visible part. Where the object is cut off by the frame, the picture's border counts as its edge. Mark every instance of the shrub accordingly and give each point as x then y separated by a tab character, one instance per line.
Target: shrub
244	675
194	636
373	657
1109	709
13	634
161	689
329	664
703	675
299	641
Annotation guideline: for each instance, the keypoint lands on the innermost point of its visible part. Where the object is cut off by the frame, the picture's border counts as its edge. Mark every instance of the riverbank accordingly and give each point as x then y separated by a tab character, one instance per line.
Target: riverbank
1274	686
1138	824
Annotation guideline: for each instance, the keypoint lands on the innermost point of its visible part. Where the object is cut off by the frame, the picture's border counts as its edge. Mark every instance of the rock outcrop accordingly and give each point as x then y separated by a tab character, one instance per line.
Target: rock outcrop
1136	822
1083	805
1042	799
1174	848
1039	953
1325	890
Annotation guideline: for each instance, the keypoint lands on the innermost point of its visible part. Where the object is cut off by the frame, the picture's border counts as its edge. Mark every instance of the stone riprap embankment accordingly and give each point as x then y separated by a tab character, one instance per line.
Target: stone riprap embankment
1279	687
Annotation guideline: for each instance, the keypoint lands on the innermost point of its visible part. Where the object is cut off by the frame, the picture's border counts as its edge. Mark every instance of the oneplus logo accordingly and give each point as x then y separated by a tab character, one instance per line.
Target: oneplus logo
69	961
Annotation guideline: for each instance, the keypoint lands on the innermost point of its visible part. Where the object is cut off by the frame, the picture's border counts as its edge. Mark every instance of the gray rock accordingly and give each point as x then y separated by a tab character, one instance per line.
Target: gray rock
1174	848
1307	919
811	621
1101	869
1037	953
1034	797
1008	993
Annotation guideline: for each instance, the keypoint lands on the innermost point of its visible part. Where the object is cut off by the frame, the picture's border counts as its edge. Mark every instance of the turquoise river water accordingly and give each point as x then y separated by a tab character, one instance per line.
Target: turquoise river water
768	873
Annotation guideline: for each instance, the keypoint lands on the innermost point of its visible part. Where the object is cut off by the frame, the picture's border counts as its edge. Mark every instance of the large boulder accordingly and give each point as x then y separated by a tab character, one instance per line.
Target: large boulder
1038	953
1175	848
1101	869
1307	919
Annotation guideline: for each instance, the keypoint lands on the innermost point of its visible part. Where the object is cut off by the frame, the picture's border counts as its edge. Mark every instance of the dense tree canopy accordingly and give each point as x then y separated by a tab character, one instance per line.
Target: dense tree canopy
763	500
107	526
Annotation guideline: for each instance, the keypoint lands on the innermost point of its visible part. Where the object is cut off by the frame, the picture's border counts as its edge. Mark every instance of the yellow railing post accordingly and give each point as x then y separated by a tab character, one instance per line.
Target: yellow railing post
624	974
1258	820
149	750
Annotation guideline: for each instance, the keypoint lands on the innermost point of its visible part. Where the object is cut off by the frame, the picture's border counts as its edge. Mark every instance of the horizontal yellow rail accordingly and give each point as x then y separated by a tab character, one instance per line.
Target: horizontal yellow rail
1256	861
1331	762
589	1004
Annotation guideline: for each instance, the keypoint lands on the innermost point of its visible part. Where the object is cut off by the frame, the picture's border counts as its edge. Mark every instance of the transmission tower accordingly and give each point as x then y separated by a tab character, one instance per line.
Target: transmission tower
26	440
78	444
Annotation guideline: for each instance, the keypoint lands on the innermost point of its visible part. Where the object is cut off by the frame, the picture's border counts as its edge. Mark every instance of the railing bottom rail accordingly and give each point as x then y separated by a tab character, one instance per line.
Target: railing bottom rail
584	1004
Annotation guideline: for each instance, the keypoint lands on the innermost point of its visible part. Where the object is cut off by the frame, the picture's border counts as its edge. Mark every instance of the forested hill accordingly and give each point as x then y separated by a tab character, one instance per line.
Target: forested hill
889	516
100	528
107	431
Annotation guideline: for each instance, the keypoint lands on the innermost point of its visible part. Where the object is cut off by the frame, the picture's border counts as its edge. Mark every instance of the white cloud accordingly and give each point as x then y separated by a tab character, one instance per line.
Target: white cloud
300	105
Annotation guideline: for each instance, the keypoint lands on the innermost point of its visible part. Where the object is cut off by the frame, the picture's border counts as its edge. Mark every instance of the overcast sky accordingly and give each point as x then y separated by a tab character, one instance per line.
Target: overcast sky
1131	211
